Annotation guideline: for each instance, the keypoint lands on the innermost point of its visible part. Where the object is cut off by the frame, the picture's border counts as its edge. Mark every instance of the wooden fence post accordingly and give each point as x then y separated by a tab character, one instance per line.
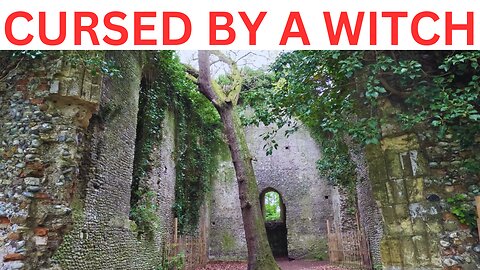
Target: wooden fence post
175	230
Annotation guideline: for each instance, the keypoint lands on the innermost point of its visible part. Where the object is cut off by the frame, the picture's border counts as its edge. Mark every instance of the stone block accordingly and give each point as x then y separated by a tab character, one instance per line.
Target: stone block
395	246
394	165
419	226
406	227
434	250
385	251
13	257
409	257
32	181
377	168
422	250
40	231
401	211
398	191
14	236
41	241
388	213
401	143
434	227
380	193
414	189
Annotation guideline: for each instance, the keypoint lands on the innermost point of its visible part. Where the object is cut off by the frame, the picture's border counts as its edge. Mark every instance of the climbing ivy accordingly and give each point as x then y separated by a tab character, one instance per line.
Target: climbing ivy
197	135
338	93
338	169
152	105
462	207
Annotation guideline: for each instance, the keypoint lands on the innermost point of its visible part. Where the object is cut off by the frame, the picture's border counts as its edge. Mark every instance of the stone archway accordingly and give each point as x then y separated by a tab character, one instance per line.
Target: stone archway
274	213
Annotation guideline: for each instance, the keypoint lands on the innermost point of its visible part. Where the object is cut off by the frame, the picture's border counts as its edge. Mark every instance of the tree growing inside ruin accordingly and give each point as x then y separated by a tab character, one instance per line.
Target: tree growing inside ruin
225	101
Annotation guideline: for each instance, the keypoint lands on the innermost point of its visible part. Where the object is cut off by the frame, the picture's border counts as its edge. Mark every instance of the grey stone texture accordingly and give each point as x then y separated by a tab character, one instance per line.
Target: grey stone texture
291	170
412	176
102	237
67	148
67	142
43	111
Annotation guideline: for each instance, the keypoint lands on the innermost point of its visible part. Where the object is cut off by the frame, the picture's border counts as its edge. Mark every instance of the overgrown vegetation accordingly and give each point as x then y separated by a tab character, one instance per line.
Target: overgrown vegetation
175	262
338	93
197	134
463	209
94	62
198	138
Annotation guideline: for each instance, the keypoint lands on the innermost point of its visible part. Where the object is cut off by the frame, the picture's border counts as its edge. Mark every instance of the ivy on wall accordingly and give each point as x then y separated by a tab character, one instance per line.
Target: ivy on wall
197	135
339	93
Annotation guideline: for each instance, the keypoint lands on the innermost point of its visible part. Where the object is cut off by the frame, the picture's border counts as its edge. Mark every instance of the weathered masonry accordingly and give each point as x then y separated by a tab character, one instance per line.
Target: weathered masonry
69	144
291	171
94	167
412	178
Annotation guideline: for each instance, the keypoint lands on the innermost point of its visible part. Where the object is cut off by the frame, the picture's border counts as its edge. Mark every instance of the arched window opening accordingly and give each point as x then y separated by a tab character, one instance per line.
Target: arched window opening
272	206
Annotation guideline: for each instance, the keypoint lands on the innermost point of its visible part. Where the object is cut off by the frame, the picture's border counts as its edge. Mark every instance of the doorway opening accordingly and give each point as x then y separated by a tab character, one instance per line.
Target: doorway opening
274	213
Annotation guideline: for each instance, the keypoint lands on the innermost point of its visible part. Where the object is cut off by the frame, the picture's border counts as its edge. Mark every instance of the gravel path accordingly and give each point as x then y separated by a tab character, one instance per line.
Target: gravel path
284	264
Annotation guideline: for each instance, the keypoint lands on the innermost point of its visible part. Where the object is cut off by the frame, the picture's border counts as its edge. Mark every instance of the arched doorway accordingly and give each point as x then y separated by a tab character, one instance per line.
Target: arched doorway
274	213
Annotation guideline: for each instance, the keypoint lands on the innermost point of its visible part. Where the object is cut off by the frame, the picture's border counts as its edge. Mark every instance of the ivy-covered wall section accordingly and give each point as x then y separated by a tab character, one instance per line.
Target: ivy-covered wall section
99	151
172	115
170	141
406	124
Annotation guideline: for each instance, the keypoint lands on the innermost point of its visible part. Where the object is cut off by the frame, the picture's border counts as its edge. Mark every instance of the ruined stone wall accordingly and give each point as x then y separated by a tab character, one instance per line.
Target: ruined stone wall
162	178
412	176
227	237
67	149
291	170
103	236
44	108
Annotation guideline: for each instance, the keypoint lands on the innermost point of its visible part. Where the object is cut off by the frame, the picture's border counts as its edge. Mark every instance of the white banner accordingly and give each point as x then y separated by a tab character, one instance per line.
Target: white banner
244	25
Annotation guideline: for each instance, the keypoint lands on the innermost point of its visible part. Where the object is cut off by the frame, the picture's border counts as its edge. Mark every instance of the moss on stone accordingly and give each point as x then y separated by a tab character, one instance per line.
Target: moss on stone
228	242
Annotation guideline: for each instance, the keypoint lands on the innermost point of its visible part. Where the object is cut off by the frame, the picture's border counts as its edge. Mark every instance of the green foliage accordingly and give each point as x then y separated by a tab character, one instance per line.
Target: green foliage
336	163
463	208
339	169
175	262
152	105
145	214
272	206
337	93
472	165
28	54
439	88
197	134
94	61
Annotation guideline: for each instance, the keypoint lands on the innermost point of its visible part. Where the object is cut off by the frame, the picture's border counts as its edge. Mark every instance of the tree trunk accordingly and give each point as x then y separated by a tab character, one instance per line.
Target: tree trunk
259	253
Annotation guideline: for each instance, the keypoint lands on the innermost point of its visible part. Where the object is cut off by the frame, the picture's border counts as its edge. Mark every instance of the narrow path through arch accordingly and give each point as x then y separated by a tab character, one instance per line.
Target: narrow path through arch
274	213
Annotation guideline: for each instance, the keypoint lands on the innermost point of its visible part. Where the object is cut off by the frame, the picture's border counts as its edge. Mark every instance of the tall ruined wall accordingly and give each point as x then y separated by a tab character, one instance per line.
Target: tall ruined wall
44	108
290	170
103	236
412	176
66	158
227	237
